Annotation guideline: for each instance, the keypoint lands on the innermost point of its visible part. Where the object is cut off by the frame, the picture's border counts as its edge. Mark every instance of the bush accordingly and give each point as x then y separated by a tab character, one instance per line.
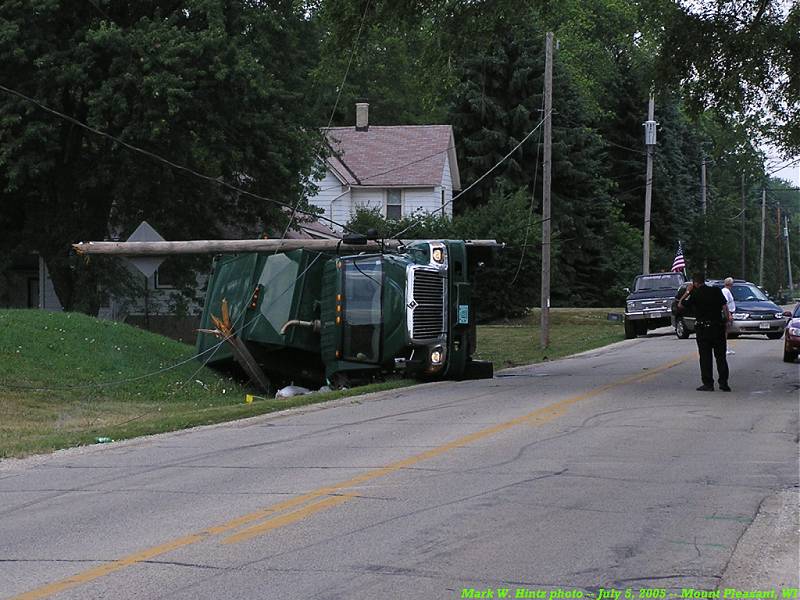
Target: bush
508	286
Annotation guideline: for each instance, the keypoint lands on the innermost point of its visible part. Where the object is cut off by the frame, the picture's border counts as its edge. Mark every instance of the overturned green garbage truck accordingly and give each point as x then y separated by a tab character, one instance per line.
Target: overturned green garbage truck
315	311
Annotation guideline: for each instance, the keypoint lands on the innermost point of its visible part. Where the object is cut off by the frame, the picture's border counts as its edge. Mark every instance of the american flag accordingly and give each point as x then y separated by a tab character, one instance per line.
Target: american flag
679	264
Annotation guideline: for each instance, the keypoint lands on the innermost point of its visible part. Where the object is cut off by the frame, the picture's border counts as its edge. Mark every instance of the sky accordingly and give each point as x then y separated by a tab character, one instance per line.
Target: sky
790	173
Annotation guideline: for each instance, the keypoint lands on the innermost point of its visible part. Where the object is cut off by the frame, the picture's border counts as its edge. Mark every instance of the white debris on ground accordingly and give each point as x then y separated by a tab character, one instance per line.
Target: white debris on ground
292	390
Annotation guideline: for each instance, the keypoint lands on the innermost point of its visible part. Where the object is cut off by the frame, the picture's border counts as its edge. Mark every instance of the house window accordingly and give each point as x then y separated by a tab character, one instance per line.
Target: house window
394	204
166	276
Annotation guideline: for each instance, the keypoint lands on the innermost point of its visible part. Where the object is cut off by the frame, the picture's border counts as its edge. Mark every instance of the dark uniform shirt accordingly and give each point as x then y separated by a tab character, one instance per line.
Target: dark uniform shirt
707	302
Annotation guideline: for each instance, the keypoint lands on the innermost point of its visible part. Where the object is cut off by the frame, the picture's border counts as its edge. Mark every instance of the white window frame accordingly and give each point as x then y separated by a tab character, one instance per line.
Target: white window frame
157	285
386	201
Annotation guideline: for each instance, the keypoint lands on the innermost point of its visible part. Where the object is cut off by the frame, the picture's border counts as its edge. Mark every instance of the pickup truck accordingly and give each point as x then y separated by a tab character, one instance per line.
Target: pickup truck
649	302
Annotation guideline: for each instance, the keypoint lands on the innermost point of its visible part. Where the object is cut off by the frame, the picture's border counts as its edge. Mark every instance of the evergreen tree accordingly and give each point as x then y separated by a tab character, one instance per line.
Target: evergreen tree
215	86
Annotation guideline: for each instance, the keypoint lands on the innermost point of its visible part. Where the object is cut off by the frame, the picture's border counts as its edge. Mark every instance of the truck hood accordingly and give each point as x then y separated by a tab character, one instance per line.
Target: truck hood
651	294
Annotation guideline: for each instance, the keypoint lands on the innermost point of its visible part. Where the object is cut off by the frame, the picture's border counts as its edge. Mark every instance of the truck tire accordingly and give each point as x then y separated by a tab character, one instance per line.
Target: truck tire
631	330
681	331
775	336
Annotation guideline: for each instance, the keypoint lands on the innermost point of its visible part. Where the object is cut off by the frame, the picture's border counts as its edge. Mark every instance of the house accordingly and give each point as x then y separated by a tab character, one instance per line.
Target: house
400	170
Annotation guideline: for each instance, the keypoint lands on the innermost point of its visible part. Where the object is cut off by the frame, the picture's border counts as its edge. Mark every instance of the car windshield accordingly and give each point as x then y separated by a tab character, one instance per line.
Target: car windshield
748	293
667	281
362	309
796	311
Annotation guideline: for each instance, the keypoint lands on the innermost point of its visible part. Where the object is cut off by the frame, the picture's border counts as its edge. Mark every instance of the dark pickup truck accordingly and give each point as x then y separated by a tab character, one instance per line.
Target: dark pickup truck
649	303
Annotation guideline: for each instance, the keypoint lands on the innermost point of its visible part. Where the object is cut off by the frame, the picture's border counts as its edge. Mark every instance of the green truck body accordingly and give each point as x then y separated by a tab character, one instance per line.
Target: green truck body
313	317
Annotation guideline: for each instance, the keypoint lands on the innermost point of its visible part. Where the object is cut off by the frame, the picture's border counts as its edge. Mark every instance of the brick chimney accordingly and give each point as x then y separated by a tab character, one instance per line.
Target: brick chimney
362	116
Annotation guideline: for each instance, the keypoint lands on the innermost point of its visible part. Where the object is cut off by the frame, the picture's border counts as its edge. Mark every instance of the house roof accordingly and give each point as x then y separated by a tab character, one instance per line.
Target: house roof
388	156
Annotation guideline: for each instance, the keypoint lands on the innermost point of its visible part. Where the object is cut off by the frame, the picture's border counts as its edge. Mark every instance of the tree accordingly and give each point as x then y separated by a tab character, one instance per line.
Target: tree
215	86
741	57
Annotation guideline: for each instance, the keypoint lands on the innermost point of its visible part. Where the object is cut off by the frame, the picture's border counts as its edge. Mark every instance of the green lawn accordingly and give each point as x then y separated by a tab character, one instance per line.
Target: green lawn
67	379
51	365
572	330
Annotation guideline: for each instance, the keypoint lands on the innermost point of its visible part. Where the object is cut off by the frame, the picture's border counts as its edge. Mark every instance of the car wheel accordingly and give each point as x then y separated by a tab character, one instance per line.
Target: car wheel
733	336
641	328
680	330
775	336
630	330
789	357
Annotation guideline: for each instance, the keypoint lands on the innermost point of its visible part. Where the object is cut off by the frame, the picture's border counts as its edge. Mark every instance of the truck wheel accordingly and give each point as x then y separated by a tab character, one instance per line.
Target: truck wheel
680	330
340	381
641	328
775	336
789	357
630	330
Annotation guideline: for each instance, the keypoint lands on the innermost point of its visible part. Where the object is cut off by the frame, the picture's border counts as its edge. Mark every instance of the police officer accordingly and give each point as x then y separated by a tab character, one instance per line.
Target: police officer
711	318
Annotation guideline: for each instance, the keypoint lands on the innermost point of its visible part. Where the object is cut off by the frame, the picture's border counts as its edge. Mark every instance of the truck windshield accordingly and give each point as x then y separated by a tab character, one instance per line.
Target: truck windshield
362	309
671	281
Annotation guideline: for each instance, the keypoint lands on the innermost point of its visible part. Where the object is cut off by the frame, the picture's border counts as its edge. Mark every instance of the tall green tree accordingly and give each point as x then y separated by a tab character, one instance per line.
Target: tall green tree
215	86
498	101
741	57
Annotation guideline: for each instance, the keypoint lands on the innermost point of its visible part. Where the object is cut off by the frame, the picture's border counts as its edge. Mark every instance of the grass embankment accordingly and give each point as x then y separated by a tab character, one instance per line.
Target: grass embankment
67	379
52	365
572	330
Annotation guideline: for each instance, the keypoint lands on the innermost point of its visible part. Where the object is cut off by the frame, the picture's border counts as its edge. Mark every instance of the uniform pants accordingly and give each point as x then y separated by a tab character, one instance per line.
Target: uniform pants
712	340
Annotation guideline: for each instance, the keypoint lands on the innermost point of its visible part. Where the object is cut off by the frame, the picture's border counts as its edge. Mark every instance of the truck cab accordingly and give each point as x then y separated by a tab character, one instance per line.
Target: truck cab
316	317
649	302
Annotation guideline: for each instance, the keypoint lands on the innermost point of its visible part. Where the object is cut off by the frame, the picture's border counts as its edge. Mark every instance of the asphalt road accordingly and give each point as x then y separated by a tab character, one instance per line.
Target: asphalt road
606	470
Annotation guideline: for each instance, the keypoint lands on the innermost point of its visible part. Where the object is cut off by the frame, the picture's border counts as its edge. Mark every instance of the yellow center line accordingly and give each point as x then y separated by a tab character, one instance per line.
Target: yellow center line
288	518
539	416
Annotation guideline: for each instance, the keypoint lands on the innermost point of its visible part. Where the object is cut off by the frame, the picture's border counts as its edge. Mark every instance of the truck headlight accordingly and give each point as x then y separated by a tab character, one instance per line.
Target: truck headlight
779	315
741	316
436	356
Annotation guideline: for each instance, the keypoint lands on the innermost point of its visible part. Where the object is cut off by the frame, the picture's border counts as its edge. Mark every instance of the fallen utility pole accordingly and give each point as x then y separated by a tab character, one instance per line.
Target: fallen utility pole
238	246
548	109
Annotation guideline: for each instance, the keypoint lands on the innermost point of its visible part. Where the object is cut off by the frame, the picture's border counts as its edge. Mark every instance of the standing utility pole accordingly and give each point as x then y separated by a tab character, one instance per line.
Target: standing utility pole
703	186
742	234
704	205
763	232
650	143
548	108
788	253
778	236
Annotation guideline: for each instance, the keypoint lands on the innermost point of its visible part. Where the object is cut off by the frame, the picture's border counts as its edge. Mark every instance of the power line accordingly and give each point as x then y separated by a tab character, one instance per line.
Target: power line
780	168
161	159
533	203
335	105
477	181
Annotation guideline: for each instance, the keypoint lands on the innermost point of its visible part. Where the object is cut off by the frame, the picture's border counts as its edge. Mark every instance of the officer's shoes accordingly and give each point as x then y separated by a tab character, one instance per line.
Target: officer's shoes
724	387
706	388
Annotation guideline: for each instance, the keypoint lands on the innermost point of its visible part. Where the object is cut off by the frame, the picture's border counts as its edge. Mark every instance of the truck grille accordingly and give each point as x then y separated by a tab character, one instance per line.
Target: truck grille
429	296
